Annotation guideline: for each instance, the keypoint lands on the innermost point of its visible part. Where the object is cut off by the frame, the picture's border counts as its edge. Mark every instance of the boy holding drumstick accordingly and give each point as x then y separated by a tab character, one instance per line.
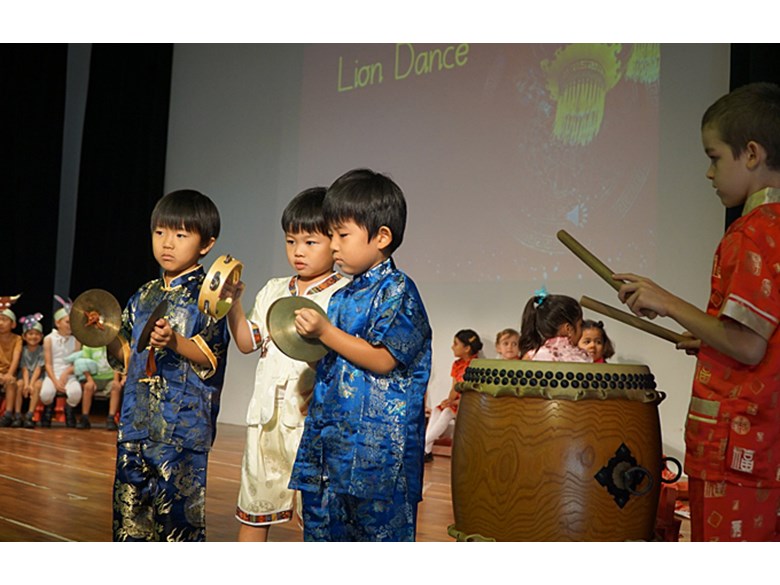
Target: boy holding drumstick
733	427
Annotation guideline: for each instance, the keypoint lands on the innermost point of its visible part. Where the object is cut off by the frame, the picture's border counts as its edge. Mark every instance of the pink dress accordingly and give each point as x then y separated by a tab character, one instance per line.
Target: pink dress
558	349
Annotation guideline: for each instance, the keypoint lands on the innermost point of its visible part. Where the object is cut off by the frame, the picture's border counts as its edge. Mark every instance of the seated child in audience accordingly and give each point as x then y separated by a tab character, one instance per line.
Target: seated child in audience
596	342
10	356
465	347
95	374
31	372
57	346
551	329
508	344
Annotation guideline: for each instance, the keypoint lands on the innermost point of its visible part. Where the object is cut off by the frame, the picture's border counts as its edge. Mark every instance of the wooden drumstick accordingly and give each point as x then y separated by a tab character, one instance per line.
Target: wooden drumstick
596	265
589	259
633	321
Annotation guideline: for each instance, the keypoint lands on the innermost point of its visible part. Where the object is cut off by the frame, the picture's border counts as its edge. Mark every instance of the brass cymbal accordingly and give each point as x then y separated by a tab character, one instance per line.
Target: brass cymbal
146	332
224	269
281	328
95	317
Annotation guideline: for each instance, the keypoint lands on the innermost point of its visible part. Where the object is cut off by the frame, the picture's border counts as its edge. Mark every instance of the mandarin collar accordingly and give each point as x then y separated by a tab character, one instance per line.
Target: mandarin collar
375	274
184	278
767	195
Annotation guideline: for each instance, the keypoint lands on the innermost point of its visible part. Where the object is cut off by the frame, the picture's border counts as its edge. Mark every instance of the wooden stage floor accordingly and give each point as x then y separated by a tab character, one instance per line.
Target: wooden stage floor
55	485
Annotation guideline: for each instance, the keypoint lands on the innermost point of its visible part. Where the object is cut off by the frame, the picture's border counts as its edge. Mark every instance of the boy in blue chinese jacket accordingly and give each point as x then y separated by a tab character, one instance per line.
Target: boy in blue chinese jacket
172	392
360	461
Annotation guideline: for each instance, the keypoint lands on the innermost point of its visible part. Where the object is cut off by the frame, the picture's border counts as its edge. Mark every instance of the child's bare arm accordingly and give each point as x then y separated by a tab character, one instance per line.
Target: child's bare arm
63	379
237	322
35	376
376	358
725	335
452	397
15	359
49	363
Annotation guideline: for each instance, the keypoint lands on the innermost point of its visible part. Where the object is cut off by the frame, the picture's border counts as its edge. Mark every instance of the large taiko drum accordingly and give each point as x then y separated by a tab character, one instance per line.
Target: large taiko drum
551	451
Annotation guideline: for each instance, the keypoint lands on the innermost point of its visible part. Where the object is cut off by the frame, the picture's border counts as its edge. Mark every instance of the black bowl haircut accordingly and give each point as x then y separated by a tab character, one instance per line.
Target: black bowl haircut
189	209
304	213
371	200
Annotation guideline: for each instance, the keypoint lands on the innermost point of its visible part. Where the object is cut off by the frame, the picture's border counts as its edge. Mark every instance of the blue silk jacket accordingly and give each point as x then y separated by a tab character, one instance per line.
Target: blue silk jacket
178	404
365	432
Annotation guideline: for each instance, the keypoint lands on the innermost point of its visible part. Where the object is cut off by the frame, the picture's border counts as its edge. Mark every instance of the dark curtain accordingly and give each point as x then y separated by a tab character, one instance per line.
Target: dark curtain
33	109
752	62
122	167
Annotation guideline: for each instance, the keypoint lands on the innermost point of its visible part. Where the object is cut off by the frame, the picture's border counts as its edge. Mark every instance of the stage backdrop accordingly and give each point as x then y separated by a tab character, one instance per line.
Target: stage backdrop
497	147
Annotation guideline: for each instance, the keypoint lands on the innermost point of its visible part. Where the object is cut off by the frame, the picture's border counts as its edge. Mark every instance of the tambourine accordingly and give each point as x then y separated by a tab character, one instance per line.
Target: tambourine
225	269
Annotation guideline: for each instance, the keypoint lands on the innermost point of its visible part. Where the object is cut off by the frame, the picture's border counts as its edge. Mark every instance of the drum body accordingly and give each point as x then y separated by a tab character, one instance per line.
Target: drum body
575	455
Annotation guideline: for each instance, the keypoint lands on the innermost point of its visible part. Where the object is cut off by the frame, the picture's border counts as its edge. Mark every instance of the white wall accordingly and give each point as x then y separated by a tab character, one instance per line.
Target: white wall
234	131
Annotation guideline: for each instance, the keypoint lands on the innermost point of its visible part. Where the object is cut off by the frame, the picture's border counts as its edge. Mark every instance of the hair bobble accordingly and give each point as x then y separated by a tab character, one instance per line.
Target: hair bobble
539	296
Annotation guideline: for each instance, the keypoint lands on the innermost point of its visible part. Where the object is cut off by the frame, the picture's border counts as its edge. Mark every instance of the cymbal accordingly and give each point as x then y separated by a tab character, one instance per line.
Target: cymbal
224	269
281	328
95	317
146	332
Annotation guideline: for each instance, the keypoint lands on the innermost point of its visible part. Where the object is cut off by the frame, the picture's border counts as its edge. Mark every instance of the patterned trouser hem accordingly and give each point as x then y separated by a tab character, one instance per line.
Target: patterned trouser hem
263	519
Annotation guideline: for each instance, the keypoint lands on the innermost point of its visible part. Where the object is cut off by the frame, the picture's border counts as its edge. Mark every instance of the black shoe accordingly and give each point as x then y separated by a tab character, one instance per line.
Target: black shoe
28	422
83	422
17	422
48	412
7	420
70	416
428	457
111	424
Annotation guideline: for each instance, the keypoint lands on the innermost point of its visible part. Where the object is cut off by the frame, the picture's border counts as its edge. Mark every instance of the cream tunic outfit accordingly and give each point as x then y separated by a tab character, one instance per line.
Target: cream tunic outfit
61	347
283	387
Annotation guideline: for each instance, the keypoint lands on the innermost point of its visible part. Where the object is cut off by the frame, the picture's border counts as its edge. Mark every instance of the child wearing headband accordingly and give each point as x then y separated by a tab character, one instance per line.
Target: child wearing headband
31	371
